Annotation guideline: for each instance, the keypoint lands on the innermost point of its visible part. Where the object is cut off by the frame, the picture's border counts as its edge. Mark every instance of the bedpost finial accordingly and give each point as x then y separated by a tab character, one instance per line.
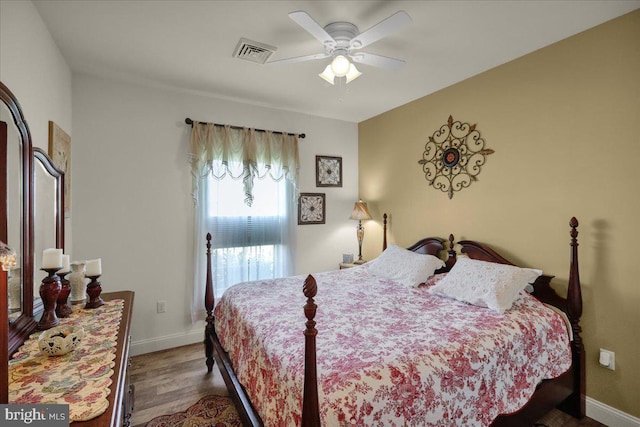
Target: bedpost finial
574	225
208	243
310	288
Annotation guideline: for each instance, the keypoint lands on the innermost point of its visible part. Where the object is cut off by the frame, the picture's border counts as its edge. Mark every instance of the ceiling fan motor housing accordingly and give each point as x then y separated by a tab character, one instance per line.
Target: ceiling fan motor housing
342	33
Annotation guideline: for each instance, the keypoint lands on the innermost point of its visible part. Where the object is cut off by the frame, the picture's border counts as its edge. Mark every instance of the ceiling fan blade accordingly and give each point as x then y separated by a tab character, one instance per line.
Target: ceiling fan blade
392	24
378	61
312	27
300	59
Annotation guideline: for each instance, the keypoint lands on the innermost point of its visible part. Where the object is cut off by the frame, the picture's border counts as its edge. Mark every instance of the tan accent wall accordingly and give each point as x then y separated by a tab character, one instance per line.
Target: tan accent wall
564	122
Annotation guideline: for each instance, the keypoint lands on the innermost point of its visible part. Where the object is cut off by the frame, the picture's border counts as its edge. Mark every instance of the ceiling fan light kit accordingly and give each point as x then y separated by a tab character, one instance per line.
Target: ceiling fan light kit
341	39
340	67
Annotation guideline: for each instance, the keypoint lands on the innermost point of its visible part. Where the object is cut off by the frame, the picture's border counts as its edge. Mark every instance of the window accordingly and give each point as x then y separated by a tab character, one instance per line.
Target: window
249	242
244	185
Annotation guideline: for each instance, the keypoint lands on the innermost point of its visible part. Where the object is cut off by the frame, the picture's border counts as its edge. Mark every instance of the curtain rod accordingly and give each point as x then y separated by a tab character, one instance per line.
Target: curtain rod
301	135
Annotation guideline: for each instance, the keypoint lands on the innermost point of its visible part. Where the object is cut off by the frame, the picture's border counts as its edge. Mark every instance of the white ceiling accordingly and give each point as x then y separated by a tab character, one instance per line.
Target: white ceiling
189	45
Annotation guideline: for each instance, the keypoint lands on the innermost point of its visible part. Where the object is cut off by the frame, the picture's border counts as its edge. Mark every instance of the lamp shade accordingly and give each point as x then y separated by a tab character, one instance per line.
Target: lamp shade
327	75
353	73
360	211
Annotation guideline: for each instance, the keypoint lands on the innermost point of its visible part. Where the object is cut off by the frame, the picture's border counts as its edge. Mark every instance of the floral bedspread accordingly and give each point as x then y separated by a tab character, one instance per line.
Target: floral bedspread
80	378
387	354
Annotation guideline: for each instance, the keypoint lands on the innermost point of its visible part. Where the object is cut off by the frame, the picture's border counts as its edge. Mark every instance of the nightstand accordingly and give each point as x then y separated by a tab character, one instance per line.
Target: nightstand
346	265
350	264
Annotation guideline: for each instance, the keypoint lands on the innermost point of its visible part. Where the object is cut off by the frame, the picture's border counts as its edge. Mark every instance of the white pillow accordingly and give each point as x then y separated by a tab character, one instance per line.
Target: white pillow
485	284
404	266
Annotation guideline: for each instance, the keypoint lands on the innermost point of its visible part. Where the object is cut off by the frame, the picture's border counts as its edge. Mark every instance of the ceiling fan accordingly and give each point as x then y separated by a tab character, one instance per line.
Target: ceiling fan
342	42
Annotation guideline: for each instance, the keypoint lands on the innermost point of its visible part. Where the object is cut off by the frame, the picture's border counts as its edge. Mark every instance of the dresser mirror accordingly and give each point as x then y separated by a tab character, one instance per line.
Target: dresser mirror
48	209
31	219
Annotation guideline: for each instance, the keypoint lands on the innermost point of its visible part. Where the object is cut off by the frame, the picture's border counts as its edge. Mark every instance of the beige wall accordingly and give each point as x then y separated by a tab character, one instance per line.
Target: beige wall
564	122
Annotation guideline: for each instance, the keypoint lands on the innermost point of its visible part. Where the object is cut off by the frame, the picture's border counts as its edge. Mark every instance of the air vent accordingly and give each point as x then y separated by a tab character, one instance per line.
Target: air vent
253	51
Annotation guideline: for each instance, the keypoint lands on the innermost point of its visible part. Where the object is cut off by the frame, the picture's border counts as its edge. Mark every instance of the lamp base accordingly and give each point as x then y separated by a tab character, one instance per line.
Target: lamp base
359	261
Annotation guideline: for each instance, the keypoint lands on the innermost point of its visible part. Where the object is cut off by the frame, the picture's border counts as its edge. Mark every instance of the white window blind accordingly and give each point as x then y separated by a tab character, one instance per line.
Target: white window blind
249	242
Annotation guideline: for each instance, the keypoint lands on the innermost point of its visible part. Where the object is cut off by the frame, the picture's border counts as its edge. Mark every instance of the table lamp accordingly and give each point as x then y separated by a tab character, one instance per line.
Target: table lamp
360	212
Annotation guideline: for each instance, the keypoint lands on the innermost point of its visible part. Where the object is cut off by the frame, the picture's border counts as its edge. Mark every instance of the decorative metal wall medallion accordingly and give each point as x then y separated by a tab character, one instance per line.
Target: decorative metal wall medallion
453	156
311	208
328	171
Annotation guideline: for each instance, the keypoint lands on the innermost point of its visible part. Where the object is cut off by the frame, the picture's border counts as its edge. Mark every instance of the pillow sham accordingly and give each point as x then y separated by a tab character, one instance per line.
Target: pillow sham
485	284
404	266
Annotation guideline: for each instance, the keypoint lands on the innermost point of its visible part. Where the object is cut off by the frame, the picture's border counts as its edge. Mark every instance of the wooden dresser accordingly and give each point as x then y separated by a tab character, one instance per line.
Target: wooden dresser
121	396
82	380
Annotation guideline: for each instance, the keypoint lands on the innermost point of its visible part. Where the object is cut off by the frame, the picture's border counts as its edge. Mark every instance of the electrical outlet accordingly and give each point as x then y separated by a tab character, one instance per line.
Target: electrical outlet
161	306
607	359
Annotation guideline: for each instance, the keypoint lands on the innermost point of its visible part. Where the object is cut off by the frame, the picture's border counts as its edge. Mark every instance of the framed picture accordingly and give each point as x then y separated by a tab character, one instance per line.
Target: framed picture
311	208
328	171
60	153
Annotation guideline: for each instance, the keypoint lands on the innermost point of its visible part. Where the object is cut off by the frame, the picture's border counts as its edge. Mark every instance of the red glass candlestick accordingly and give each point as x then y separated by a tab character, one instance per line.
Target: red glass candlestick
49	291
63	309
94	289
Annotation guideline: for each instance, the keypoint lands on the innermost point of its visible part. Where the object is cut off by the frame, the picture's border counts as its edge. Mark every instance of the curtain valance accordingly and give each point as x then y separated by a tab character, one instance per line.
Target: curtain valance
242	154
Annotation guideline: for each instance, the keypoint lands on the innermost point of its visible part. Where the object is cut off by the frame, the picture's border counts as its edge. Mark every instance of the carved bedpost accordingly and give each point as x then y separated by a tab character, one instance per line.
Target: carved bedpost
574	307
209	302
384	234
574	294
310	405
451	253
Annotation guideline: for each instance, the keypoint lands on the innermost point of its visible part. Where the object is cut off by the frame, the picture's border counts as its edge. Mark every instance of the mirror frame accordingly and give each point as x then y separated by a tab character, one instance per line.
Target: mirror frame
20	329
14	334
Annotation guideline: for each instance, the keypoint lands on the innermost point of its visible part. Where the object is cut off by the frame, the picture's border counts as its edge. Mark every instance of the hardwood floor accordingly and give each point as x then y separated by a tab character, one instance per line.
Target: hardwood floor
172	380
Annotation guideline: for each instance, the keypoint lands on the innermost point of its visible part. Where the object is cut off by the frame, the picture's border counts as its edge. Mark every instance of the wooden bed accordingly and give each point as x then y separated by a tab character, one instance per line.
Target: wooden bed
566	392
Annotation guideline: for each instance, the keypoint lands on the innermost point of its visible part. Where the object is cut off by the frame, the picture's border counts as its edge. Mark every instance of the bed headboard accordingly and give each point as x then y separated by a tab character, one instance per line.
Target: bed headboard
475	250
428	246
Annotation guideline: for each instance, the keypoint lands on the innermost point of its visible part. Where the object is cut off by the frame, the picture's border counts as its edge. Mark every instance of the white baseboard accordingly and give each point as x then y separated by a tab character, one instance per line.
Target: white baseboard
609	416
166	342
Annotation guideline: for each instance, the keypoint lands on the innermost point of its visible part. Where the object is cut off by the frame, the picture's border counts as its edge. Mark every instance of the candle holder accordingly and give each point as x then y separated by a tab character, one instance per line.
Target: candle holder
94	289
63	309
49	291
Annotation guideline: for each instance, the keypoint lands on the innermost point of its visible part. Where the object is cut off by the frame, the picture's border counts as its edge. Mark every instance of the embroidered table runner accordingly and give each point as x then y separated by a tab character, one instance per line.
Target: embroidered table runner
80	378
